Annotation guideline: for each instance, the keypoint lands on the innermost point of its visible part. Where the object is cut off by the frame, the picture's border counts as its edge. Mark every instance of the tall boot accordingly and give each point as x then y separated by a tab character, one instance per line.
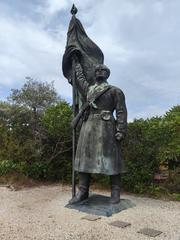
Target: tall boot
115	188
83	193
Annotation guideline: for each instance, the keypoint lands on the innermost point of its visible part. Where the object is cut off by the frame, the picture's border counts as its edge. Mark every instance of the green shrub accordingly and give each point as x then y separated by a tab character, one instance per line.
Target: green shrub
7	167
36	140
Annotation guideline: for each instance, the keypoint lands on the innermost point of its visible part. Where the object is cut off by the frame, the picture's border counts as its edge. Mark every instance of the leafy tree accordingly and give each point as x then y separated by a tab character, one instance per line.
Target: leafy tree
35	127
34	95
3	129
56	120
36	140
150	144
139	155
170	148
17	142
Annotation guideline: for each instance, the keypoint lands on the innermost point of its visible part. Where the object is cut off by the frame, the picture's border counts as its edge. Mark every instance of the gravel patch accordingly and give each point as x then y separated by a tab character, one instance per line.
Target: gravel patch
39	214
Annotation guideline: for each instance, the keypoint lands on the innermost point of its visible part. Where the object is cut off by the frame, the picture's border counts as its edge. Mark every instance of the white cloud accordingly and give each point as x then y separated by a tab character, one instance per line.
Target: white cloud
54	6
28	50
51	7
140	41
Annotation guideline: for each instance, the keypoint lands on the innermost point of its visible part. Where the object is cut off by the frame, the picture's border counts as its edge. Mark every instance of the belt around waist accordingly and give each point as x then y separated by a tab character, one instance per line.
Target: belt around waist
100	112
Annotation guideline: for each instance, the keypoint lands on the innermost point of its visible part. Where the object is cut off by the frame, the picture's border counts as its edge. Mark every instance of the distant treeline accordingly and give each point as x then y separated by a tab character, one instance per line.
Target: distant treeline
36	142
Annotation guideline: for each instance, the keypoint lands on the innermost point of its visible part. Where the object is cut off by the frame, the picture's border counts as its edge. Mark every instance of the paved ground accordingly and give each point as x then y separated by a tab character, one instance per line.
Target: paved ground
39	213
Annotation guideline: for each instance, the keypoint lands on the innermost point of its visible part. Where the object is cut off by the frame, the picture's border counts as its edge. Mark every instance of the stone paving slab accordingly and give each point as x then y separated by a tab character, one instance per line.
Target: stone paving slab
150	232
120	224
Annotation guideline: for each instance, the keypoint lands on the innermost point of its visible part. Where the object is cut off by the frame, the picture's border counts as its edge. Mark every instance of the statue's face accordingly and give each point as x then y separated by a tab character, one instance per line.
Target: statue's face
100	74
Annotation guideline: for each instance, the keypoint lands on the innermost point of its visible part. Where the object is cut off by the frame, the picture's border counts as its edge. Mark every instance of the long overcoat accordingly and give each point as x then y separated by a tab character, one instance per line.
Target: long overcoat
98	151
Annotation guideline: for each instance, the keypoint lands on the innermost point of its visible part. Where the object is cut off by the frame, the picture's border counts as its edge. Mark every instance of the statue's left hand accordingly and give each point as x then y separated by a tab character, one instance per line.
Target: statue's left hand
119	136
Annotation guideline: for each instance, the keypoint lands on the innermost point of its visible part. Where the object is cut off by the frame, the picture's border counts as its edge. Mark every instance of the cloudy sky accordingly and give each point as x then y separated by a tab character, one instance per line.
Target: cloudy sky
140	40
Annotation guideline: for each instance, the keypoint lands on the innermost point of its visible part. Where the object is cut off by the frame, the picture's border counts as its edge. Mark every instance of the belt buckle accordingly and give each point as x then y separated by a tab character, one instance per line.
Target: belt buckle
106	115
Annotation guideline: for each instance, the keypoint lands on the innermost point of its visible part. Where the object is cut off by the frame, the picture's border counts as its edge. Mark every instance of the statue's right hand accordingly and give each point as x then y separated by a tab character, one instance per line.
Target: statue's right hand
119	136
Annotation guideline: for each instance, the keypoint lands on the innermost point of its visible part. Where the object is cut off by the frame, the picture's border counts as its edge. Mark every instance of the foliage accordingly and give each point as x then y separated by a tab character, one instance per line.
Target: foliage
36	141
35	133
169	152
139	150
34	95
57	119
150	144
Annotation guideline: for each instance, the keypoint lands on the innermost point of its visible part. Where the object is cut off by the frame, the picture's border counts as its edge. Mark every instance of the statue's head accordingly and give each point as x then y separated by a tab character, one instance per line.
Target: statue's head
102	72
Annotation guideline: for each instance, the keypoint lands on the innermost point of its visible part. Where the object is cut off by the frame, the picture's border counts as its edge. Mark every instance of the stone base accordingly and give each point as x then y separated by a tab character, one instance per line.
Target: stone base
100	205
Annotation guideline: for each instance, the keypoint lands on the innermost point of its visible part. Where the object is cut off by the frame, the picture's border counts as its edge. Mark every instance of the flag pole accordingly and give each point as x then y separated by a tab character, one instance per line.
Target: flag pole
75	110
74	138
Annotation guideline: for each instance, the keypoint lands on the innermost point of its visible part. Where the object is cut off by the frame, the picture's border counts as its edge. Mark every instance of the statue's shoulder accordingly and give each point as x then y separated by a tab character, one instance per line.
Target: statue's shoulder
116	90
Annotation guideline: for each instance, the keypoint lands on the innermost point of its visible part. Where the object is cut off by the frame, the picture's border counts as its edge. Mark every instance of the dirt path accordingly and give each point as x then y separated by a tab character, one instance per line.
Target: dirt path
39	213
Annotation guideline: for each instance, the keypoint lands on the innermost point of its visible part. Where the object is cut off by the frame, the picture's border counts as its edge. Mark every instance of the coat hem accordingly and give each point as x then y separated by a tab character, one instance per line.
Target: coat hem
98	172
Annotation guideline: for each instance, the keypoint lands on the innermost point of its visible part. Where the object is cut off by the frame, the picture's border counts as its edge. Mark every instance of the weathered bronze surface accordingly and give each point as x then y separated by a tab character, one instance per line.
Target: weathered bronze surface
98	149
102	117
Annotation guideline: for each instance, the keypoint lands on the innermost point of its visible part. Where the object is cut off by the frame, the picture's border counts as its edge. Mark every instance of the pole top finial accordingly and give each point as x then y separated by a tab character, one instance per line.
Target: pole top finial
74	9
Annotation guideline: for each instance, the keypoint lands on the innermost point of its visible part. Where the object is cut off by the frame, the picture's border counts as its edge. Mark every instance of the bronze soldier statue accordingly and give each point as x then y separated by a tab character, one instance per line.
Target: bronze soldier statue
98	148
